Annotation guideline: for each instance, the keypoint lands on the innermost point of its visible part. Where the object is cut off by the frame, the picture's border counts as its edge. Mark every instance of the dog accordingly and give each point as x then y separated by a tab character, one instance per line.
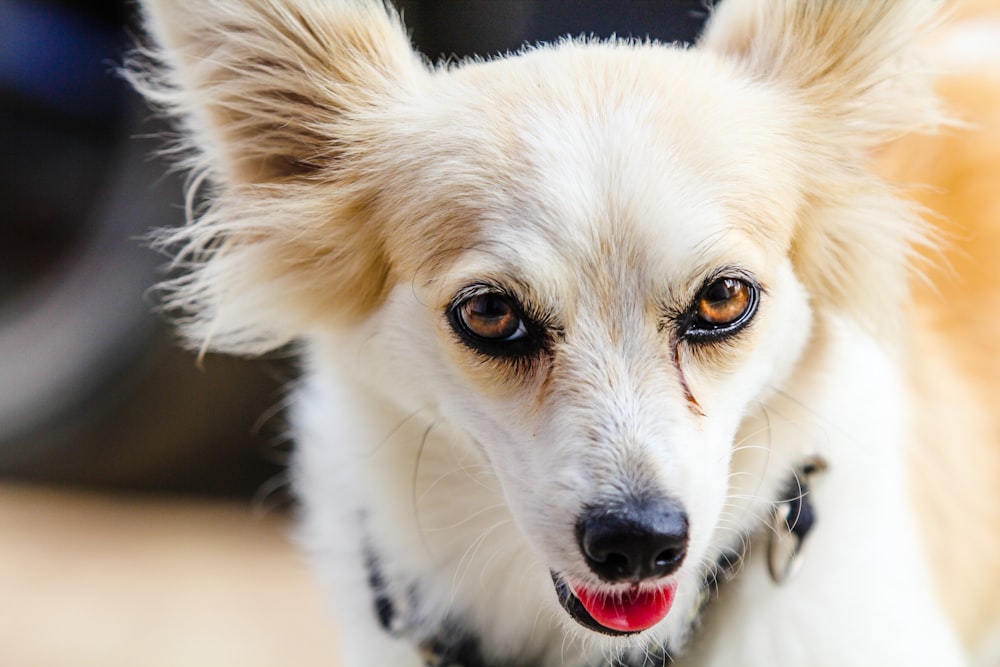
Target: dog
612	351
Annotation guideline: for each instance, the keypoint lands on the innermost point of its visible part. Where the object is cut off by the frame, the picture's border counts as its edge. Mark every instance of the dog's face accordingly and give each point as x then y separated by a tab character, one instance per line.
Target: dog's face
613	298
594	259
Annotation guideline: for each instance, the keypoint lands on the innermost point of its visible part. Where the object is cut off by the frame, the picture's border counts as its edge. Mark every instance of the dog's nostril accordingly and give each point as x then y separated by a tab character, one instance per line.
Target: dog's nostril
640	539
669	558
614	562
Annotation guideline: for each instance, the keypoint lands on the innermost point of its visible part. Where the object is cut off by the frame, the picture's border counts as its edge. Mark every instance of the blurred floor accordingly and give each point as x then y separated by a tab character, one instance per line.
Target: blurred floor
123	581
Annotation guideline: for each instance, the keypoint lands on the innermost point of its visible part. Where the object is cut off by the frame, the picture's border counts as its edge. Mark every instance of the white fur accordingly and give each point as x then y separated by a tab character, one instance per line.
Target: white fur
864	596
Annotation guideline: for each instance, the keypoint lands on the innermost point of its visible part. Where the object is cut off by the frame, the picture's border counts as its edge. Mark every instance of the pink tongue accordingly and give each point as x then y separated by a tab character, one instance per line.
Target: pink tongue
631	611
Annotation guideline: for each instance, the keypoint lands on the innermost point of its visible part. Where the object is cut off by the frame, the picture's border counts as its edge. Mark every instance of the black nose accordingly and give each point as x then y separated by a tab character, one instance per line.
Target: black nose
640	539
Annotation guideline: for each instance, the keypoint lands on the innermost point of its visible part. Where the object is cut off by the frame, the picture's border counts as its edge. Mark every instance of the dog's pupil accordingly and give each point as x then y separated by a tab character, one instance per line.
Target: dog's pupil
490	307
721	291
724	301
491	316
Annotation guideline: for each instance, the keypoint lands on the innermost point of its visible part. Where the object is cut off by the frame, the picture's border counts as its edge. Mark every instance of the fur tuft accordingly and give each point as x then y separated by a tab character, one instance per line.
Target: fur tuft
856	62
263	92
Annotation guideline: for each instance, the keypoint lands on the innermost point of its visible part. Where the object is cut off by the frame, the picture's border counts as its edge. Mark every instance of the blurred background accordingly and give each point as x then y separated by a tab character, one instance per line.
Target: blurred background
143	507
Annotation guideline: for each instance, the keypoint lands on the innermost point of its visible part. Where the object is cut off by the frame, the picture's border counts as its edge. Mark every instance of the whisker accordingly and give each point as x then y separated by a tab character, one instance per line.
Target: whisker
465	562
273	494
468	518
414	482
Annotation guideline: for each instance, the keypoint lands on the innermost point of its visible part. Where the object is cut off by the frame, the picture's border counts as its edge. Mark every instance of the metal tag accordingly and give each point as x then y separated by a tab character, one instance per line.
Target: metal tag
791	523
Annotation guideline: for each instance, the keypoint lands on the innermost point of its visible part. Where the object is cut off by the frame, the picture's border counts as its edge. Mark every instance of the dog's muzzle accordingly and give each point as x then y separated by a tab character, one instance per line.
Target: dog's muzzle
632	548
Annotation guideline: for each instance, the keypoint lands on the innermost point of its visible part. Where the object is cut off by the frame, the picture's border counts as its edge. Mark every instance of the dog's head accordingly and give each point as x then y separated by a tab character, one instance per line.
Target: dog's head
594	258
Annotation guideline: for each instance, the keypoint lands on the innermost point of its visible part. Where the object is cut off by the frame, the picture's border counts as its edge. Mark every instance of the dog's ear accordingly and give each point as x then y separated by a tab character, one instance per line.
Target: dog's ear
855	72
272	98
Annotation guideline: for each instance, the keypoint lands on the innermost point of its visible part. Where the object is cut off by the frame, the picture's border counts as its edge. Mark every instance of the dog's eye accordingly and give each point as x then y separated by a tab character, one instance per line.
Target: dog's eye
489	318
723	302
722	307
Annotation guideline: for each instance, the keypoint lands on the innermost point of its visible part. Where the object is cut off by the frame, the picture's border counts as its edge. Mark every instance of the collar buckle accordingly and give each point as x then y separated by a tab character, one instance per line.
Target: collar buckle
792	521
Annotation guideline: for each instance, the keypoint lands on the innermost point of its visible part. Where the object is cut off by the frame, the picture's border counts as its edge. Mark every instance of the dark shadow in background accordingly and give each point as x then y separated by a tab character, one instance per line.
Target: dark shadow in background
93	389
461	28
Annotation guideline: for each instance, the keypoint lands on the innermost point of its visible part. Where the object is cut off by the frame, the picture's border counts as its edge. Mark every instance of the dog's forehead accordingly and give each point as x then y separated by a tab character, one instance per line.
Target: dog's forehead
650	161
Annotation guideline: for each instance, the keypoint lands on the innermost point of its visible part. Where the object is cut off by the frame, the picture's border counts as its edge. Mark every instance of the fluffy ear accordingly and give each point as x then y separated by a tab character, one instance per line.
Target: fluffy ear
855	61
271	98
854	69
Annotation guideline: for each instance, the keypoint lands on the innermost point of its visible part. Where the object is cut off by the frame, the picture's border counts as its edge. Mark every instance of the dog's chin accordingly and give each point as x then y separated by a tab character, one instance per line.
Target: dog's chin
616	610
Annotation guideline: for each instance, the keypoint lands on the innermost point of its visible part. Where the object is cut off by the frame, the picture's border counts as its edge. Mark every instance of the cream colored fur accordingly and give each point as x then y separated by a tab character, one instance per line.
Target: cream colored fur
353	193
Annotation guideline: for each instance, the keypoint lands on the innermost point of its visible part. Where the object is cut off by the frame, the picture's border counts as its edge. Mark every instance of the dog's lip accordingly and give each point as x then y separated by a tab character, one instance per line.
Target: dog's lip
615	611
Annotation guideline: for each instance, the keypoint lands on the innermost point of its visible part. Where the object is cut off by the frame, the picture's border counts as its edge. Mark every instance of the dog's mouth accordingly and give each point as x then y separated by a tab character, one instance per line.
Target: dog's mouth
616	611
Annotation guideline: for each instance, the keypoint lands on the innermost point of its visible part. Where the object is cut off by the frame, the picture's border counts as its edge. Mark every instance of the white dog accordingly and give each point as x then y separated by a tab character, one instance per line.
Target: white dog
605	360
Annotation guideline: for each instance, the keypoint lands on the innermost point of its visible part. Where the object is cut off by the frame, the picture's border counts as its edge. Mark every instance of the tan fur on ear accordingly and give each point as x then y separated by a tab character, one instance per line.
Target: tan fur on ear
855	62
273	98
263	84
855	70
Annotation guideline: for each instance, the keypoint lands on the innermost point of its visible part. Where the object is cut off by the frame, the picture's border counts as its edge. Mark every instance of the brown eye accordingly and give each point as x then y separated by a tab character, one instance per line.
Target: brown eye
723	307
490	318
